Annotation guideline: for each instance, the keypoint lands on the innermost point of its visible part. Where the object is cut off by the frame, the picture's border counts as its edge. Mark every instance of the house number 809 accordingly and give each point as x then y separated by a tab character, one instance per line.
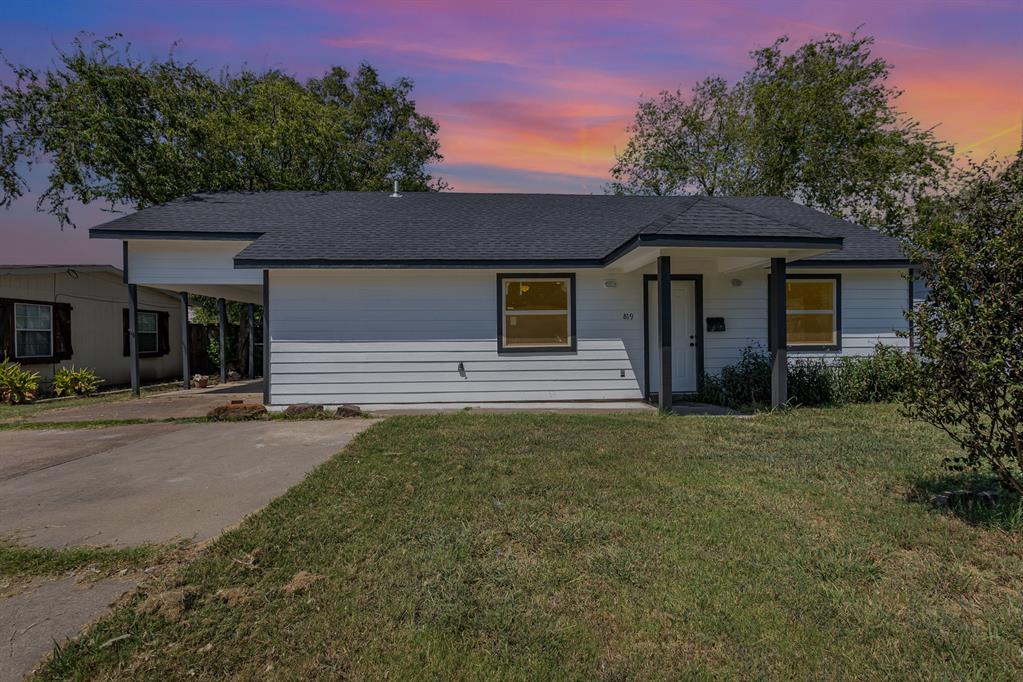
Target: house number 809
627	316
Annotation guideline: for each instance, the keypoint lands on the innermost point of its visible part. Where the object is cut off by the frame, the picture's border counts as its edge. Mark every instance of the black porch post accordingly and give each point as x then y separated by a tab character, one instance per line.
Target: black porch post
252	340
266	337
778	335
186	371
222	324
133	339
664	330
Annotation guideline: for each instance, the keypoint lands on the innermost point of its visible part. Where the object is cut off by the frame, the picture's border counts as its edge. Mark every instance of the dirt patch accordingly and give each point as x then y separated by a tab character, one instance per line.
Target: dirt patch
170	604
300	582
234	596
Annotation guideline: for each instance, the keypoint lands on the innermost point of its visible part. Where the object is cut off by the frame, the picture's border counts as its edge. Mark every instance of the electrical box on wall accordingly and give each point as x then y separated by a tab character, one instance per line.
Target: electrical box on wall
715	324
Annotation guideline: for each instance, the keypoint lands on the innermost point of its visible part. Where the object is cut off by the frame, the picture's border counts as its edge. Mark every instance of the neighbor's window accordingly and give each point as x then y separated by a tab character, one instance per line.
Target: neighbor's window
148	333
812	311
33	330
536	312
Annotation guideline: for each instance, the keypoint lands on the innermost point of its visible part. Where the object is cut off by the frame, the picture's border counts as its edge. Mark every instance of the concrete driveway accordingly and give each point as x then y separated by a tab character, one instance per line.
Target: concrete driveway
126	485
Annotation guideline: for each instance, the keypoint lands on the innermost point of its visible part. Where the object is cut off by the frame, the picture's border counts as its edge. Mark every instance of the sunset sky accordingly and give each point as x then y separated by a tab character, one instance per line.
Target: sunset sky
536	96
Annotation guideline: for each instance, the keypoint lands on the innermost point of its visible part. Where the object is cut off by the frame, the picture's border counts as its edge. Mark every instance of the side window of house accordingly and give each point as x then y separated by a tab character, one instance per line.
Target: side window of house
812	312
536	312
148	332
33	330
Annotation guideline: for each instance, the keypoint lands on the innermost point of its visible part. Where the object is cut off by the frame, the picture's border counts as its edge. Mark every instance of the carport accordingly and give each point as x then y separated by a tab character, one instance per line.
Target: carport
183	272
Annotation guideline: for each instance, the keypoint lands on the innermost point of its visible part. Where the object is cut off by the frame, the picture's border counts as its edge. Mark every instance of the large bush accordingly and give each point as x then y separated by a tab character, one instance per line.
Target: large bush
969	330
75	381
17	385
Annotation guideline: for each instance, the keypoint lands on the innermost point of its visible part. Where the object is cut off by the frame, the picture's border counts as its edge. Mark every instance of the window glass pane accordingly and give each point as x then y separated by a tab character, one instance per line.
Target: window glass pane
31	316
147	342
33	344
536	294
809	295
810	329
536	330
147	322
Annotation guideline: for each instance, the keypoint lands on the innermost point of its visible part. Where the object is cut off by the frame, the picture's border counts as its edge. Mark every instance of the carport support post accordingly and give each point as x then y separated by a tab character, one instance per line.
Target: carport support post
778	335
186	373
133	339
664	330
266	337
222	324
252	340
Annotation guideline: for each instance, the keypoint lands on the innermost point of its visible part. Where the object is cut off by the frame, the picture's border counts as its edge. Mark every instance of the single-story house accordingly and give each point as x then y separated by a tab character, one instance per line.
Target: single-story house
453	298
54	316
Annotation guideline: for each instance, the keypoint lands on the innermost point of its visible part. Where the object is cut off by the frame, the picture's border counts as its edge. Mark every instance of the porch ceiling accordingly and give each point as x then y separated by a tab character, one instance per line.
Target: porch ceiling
244	293
726	259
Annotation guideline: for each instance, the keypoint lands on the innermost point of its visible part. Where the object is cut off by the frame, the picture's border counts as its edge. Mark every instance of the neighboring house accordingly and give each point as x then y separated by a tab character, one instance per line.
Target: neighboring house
453	298
54	316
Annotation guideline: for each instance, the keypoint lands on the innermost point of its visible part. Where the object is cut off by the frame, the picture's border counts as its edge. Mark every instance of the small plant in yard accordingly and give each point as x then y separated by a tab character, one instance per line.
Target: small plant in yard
746	383
812	381
969	382
75	381
881	377
17	385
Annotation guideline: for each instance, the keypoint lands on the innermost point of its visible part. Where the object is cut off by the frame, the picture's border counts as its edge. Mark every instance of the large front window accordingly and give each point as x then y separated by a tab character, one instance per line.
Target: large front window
536	312
811	314
33	330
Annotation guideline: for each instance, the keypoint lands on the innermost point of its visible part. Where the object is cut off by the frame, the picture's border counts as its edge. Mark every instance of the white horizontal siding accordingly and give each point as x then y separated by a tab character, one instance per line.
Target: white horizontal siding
398	337
206	262
374	337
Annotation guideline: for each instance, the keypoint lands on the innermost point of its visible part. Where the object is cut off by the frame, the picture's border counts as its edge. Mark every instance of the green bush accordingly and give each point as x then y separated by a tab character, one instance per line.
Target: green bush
881	377
71	381
17	385
744	384
813	381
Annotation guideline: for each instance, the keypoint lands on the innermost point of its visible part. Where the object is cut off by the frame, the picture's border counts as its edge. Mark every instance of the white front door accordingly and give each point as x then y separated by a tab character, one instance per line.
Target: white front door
683	337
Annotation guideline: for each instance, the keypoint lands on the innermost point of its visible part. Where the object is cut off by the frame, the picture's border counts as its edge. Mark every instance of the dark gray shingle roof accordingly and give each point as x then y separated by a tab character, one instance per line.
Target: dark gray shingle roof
374	228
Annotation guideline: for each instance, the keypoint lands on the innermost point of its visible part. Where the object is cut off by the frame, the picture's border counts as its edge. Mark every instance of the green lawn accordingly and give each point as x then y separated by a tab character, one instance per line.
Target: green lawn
473	546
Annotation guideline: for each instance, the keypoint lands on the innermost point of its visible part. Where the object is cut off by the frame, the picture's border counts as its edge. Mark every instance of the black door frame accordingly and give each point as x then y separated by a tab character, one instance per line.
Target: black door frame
698	316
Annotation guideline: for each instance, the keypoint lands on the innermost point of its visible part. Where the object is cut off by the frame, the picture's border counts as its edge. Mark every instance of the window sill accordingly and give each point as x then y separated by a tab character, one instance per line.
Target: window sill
797	349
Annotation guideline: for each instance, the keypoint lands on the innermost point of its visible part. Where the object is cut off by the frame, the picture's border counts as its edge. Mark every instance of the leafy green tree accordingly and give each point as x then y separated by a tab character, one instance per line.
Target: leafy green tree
818	125
135	133
969	330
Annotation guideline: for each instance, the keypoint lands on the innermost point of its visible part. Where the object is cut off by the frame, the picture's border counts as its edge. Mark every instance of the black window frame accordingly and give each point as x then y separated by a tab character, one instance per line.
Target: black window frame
837	346
544	350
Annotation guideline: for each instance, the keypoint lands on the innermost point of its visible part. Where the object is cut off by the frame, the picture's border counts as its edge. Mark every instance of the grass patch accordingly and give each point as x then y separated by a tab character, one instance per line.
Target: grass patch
540	546
95	423
21	411
20	561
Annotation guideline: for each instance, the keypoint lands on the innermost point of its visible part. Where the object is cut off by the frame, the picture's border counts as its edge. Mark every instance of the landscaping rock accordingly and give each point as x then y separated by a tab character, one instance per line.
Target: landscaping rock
236	412
200	381
233	376
348	411
303	410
